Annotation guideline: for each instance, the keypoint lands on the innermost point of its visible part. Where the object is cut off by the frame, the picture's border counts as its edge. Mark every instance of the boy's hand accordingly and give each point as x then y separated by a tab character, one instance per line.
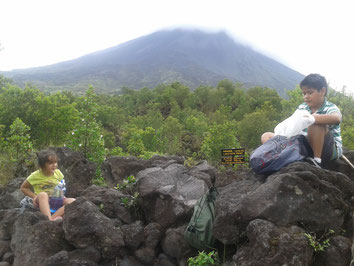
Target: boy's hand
310	118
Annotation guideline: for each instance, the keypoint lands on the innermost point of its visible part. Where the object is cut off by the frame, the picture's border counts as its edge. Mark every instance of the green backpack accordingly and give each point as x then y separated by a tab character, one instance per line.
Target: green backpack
199	232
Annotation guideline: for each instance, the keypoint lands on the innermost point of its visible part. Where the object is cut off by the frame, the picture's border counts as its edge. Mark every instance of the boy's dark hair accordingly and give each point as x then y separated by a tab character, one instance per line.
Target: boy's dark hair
45	156
315	81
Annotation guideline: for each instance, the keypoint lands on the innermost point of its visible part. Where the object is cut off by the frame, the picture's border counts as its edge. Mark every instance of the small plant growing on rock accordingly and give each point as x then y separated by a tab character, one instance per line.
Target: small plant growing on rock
99	181
204	259
319	244
127	185
131	200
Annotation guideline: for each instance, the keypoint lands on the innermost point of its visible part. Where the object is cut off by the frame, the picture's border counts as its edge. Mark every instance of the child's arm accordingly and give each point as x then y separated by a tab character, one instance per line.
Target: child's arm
26	189
327	119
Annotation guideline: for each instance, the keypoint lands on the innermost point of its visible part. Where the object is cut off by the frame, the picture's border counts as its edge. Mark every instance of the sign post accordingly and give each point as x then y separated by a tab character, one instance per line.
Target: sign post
233	156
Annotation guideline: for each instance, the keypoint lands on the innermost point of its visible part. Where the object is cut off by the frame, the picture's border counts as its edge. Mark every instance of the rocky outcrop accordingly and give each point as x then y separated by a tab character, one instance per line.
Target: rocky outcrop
273	245
341	166
299	194
11	196
85	226
116	168
110	203
168	195
35	239
259	220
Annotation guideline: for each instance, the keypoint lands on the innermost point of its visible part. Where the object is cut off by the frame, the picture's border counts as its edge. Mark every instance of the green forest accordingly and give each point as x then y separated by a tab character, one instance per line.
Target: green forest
167	119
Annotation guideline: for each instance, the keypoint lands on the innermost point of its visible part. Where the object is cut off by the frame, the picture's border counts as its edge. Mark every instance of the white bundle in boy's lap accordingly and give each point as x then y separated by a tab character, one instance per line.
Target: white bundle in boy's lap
294	124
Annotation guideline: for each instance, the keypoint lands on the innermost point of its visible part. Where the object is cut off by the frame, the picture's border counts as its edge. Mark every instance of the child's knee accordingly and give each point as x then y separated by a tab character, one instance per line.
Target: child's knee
43	195
68	201
317	129
266	136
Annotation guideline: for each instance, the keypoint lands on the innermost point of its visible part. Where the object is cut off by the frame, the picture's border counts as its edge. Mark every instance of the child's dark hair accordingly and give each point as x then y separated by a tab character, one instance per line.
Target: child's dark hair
46	156
315	81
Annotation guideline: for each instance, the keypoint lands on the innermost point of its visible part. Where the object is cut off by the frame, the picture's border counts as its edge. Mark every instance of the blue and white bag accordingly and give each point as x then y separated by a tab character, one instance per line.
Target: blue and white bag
278	152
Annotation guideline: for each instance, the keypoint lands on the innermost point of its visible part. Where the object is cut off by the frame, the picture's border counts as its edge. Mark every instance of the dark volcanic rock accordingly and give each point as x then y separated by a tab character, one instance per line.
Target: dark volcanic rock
165	161
265	217
11	194
168	195
77	257
153	235
59	259
116	168
85	226
130	261
35	238
110	202
133	234
342	166
271	245
145	255
204	172
8	257
164	260
229	223
174	244
7	222
4	247
298	194
85	255
337	254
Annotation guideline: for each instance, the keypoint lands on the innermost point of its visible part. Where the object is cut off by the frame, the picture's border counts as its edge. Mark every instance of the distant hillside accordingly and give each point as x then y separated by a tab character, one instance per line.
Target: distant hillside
191	57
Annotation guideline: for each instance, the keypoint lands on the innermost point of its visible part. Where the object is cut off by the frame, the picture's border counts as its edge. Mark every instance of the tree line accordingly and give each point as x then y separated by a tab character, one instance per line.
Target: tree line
167	119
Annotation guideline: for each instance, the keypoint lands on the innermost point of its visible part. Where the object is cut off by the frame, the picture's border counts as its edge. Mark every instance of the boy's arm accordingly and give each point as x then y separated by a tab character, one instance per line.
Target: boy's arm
26	189
327	119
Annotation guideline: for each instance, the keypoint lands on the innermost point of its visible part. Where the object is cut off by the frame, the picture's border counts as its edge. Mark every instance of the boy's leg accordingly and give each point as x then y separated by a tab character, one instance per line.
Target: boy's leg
329	150
43	203
316	136
60	211
267	136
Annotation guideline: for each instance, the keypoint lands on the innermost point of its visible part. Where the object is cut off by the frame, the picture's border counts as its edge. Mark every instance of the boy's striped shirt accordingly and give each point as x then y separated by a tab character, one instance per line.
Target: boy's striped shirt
328	108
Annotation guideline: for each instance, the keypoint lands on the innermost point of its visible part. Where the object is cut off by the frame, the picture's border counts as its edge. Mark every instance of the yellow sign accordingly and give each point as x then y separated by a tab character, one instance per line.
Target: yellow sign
233	160
232	152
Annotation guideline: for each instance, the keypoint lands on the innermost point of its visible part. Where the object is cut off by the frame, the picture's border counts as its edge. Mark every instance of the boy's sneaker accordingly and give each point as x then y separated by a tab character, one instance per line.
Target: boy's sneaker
313	162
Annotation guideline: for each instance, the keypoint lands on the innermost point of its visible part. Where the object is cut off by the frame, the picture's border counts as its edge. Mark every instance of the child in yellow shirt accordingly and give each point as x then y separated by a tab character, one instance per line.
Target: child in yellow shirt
43	182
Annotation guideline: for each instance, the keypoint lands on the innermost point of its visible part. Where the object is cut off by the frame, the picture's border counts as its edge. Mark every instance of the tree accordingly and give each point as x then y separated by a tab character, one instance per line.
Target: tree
252	126
219	136
170	135
346	105
227	85
4	82
290	105
195	128
19	143
18	148
87	134
55	117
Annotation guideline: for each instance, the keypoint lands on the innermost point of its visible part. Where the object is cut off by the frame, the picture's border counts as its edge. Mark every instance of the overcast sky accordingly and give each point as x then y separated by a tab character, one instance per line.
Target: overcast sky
309	36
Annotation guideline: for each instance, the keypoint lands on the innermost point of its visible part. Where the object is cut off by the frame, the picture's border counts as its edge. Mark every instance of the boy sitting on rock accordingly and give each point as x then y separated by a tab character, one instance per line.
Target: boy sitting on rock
324	134
44	181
